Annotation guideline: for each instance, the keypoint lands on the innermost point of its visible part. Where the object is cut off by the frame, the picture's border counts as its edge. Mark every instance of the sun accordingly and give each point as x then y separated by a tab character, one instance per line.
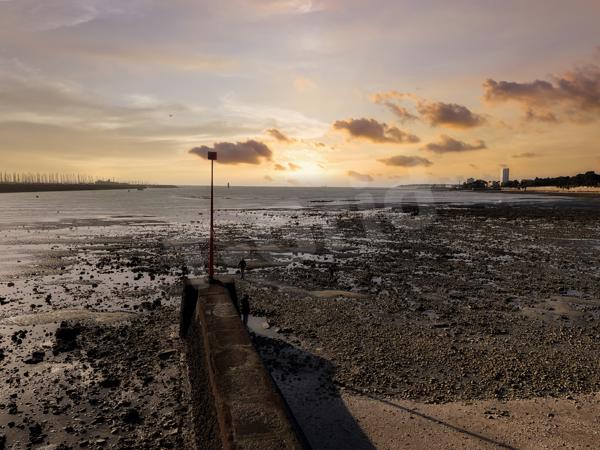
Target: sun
310	169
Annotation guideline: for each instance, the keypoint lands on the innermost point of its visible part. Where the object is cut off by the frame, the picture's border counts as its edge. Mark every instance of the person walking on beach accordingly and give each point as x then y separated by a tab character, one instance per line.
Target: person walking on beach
245	309
242	265
332	268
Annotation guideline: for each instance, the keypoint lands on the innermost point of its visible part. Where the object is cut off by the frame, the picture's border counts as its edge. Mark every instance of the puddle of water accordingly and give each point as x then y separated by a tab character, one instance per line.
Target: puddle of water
255	325
334	293
67	314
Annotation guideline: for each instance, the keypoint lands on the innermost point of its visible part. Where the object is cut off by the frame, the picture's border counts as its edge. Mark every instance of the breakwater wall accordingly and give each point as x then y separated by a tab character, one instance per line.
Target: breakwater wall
236	404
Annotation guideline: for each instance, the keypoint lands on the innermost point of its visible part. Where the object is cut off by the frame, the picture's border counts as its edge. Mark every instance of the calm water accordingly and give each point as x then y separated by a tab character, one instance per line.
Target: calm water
184	204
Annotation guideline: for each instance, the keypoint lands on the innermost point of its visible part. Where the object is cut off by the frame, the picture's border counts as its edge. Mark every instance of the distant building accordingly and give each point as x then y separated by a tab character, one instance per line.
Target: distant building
505	175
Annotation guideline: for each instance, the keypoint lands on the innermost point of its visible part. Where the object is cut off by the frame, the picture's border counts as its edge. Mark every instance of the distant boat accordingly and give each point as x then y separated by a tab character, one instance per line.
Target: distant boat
228	185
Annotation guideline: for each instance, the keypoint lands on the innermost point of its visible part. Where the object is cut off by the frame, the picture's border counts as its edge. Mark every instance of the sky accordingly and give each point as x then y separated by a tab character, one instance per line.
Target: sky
300	92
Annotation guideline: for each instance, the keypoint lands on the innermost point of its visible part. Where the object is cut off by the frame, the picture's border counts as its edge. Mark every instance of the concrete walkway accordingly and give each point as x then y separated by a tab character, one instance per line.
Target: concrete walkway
250	411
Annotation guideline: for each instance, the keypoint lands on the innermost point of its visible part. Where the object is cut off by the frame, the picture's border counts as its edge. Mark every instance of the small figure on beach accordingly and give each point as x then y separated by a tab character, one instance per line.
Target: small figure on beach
245	309
242	265
332	269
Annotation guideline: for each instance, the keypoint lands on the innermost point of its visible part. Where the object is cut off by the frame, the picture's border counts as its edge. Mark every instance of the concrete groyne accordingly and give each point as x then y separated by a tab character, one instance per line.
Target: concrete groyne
236	405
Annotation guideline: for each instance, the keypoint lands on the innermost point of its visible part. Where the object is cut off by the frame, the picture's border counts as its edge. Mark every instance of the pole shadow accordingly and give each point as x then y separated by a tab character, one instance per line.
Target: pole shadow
436	421
305	381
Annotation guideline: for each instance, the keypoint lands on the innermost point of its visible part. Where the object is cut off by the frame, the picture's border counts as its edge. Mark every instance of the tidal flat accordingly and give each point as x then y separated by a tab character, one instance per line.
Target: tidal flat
476	324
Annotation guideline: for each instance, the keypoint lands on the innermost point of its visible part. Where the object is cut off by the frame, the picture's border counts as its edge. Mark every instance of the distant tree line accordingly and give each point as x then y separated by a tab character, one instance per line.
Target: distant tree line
590	178
55	178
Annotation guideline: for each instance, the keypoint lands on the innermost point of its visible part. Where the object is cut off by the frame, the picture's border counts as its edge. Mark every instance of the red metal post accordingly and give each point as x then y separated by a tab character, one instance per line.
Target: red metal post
211	250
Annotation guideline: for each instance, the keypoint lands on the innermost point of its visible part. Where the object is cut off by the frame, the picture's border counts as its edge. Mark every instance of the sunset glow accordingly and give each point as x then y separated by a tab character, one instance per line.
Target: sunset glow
334	93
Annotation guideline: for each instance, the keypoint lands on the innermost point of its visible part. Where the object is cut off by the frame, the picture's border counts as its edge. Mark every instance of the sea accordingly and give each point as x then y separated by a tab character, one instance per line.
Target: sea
183	204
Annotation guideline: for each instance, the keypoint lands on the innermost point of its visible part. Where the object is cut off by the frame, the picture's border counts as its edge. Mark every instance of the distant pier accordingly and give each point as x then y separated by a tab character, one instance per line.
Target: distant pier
6	188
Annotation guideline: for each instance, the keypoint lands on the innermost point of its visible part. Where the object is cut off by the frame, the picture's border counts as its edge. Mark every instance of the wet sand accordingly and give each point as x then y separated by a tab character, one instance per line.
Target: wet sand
89	347
370	313
462	310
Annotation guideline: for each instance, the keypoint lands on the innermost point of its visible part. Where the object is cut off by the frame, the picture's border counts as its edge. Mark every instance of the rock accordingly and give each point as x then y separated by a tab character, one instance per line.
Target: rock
66	338
266	325
2	441
18	336
167	354
35	433
67	332
35	358
110	382
132	416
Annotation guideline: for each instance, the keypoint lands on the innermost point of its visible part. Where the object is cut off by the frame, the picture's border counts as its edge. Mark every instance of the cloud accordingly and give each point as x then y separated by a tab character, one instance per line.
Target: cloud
290	166
449	114
303	84
274	132
268	178
359	176
401	112
271	117
575	95
406	161
52	15
434	113
535	92
27	96
526	155
446	144
249	152
372	130
384	98
534	116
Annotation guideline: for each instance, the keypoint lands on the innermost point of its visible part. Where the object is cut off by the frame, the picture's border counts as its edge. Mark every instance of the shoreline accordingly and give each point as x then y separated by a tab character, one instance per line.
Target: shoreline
10	188
560	193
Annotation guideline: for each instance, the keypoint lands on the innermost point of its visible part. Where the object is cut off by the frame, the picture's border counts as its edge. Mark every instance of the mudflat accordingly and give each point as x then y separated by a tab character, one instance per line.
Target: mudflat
399	327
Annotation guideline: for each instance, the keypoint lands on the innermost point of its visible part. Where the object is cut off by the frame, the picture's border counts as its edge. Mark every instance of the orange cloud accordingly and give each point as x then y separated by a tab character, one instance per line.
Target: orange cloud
274	132
359	176
575	95
526	155
249	152
372	130
450	115
446	144
406	161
